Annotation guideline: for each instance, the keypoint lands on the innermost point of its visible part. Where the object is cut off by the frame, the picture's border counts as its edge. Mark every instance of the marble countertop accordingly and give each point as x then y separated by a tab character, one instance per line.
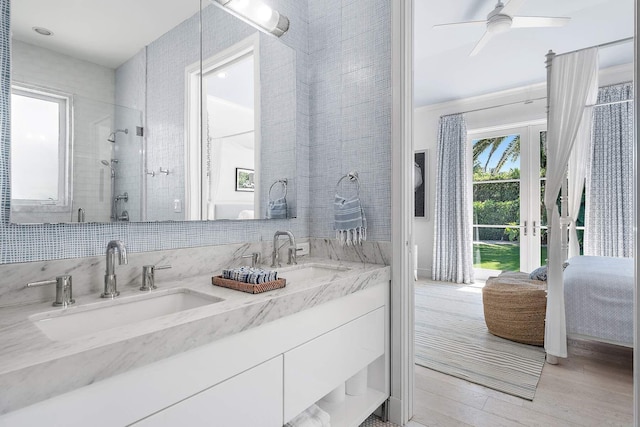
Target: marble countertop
34	368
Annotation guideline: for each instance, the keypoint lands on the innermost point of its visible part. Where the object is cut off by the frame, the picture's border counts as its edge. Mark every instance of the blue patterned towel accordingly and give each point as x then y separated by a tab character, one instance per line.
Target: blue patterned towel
250	275
277	209
350	223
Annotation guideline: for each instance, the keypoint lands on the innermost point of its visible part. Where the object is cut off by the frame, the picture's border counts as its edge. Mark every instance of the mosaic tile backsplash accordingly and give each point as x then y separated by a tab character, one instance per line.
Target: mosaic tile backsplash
343	122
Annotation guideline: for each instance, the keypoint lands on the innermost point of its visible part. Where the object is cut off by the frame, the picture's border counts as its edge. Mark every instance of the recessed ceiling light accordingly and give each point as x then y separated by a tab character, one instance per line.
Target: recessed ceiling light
42	31
222	75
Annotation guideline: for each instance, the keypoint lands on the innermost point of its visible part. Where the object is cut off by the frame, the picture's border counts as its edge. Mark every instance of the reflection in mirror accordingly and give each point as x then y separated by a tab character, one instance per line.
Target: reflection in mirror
119	126
230	143
40	124
228	172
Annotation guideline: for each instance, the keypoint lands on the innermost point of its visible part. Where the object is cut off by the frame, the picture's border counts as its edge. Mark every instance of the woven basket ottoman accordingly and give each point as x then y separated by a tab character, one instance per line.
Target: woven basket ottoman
515	307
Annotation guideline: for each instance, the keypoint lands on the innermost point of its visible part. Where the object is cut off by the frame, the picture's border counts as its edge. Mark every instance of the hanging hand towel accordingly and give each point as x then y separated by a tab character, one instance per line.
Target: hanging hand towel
350	222
277	209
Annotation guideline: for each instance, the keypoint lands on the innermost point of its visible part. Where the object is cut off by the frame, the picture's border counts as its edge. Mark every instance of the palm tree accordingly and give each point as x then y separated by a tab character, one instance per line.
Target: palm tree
510	153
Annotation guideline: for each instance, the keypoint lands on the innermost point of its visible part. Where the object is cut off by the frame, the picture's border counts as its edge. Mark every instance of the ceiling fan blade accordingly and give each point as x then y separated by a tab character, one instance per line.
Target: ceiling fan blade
538	21
483	41
512	7
459	24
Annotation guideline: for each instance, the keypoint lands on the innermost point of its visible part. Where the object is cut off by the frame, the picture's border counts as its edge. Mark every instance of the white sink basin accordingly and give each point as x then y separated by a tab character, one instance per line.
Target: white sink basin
73	322
308	272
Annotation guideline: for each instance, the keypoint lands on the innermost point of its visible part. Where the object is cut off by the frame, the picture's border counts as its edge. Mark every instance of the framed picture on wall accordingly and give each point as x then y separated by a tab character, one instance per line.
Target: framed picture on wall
420	184
244	179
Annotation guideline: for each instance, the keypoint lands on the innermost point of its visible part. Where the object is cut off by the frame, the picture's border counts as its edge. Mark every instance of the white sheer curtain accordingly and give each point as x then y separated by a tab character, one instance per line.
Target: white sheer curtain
609	210
573	85
453	242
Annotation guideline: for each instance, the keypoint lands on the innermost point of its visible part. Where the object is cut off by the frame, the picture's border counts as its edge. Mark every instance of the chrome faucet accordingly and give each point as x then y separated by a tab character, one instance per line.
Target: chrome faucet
110	288
275	256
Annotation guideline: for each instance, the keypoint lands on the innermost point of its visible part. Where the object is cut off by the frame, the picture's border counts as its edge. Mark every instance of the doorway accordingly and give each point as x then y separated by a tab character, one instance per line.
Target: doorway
509	166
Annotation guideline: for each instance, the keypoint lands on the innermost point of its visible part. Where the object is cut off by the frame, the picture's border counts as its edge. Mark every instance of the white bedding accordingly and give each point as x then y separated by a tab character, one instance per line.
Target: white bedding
598	294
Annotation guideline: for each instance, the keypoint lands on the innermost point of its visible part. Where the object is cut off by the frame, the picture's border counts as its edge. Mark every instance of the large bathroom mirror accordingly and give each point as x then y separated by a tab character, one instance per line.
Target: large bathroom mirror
148	111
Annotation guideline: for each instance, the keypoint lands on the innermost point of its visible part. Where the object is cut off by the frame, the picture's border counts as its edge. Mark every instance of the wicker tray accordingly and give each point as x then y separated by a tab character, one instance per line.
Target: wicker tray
248	287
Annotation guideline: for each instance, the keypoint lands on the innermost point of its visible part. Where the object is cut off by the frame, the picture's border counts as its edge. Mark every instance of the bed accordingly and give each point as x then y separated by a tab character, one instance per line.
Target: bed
598	294
594	297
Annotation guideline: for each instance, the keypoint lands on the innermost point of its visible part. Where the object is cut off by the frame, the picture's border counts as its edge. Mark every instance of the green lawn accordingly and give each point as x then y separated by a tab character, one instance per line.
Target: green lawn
502	256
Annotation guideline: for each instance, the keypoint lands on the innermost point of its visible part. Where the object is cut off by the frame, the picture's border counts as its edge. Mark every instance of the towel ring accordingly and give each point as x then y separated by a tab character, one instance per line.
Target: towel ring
353	176
282	181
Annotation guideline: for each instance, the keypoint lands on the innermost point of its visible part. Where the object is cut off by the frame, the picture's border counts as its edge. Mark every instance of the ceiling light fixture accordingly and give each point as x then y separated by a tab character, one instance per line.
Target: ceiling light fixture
259	14
42	31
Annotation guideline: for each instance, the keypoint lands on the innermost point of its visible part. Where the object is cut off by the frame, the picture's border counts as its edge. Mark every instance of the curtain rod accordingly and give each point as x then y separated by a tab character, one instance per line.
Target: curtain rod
604	104
529	101
506	104
599	46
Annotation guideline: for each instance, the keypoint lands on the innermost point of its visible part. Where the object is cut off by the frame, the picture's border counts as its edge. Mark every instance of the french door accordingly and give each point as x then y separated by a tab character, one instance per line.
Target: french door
509	167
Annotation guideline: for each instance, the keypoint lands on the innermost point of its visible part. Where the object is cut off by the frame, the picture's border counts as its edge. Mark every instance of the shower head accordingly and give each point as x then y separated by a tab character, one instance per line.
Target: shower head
112	135
106	163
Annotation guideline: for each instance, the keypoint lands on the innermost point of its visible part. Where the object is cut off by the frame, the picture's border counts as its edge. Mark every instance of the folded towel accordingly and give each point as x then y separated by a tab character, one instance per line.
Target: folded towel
350	222
277	209
311	417
250	275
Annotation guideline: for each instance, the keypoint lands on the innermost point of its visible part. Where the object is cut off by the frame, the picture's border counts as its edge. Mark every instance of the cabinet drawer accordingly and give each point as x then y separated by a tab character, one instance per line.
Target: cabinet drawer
252	398
318	366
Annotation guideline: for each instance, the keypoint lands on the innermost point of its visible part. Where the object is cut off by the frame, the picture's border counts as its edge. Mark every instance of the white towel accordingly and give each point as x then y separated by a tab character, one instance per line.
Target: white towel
313	416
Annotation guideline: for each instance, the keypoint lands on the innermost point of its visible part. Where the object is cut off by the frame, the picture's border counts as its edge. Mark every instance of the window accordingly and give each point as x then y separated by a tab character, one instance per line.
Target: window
40	131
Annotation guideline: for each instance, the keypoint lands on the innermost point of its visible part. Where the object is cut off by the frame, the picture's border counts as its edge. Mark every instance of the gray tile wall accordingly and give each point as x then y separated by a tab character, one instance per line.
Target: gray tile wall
343	65
350	109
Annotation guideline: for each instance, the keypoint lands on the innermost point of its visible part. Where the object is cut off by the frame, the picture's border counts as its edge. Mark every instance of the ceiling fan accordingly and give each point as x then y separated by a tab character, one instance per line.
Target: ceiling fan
501	19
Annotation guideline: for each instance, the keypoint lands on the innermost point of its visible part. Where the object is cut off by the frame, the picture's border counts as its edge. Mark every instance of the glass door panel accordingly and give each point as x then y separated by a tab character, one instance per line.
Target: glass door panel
496	202
542	145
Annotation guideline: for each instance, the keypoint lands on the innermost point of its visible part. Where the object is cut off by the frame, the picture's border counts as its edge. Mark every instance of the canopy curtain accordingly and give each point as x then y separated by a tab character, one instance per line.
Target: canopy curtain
453	242
573	85
609	203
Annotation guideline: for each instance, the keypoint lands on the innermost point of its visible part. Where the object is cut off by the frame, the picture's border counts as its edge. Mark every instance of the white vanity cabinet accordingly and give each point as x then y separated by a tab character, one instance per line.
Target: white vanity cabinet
252	398
315	368
263	376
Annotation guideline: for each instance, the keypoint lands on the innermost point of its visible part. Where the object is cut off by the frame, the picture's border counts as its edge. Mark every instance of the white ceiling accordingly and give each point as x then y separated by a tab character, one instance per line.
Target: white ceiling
111	31
444	71
106	32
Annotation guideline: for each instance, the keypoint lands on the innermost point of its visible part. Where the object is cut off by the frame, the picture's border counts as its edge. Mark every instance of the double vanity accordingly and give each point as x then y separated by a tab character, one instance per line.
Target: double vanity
192	353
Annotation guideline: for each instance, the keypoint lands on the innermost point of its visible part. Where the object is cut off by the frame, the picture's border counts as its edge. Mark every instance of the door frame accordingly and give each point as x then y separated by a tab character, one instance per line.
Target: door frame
402	298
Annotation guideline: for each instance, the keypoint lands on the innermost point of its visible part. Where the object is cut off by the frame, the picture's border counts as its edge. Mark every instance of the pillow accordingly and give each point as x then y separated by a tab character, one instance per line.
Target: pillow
539	273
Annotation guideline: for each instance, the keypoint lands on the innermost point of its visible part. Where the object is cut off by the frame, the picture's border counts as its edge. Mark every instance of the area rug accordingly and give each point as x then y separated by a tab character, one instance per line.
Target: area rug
451	337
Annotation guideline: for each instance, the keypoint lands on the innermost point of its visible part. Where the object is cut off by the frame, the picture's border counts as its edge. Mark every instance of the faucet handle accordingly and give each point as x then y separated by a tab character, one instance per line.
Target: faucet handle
64	290
148	276
293	255
255	258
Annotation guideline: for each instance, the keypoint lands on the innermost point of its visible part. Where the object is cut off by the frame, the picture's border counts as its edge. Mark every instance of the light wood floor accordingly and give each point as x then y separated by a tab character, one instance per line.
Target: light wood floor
593	387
